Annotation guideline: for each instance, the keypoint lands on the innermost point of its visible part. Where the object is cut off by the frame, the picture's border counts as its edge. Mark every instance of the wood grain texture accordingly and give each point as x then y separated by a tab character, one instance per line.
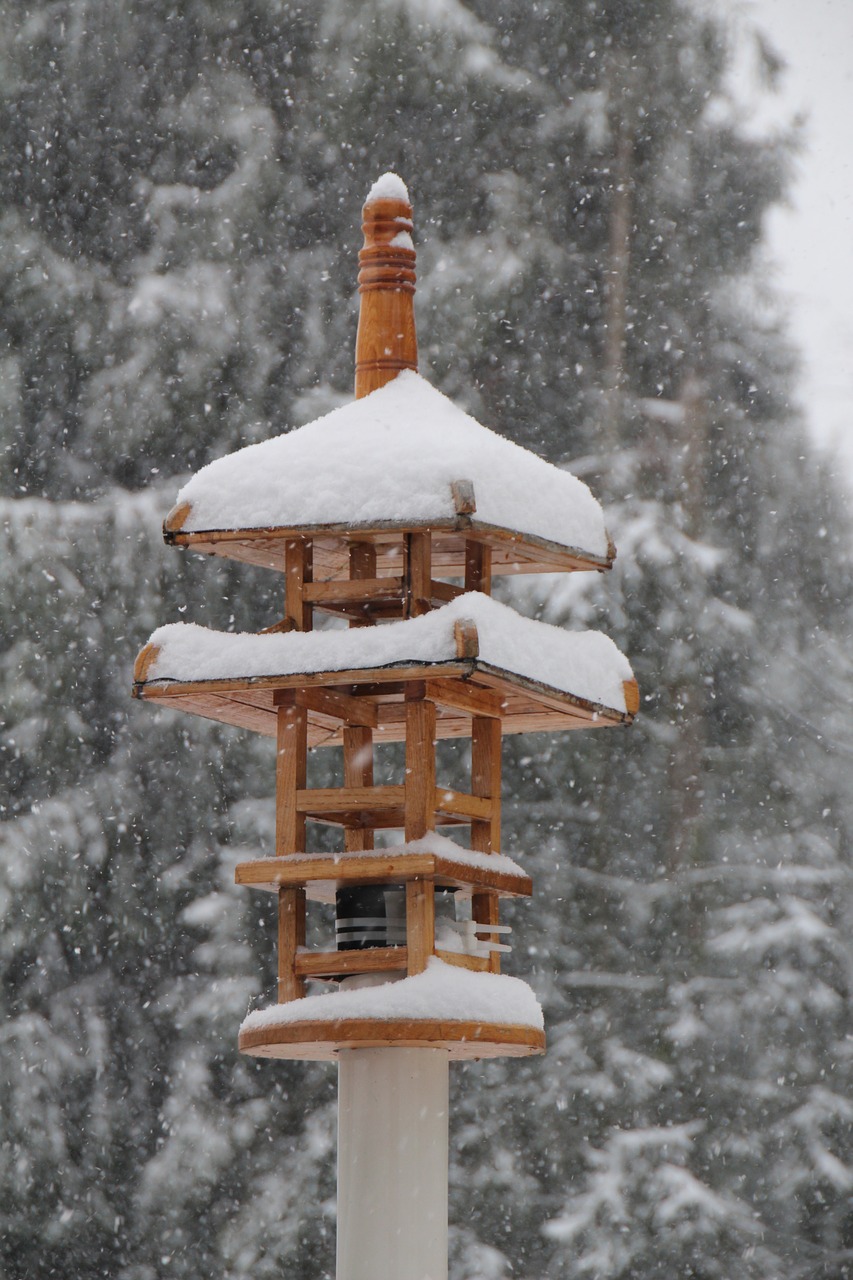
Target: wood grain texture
486	781
478	566
417	574
358	772
386	340
326	964
269	873
290	777
420	924
298	570
420	768
291	936
317	1041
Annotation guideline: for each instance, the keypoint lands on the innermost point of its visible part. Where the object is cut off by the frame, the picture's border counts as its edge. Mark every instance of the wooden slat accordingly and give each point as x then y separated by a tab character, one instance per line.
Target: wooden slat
420	767
321	964
357	676
358	772
341	706
486	781
462	805
444	592
298	559
291	769
269	873
291	936
420	924
465	696
485	910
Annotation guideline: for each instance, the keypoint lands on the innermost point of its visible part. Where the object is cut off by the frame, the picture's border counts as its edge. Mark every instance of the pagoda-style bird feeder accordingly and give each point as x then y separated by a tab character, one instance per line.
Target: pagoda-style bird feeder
392	515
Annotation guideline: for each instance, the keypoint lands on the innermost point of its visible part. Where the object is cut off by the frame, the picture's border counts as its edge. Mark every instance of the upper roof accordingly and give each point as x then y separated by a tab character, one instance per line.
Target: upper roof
393	459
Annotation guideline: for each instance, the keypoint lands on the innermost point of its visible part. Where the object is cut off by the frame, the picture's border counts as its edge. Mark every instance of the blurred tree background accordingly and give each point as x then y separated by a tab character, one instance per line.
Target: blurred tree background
180	190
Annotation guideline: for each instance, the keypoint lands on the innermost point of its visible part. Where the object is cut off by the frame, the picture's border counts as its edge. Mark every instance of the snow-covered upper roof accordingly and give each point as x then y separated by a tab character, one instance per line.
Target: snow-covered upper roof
586	665
392	456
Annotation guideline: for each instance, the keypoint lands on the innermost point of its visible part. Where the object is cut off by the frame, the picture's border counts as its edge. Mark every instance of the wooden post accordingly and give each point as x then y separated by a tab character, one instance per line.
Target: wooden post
486	780
358	772
386	341
420	818
290	772
478	567
291	936
298	569
417	574
362	564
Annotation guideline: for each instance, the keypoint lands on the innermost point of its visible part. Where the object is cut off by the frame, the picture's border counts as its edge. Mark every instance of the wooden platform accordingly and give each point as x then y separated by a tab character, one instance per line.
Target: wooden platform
317	1041
321	874
376	698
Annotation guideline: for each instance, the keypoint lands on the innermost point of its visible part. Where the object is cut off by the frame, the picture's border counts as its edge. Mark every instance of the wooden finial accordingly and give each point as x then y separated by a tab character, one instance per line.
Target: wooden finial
386	341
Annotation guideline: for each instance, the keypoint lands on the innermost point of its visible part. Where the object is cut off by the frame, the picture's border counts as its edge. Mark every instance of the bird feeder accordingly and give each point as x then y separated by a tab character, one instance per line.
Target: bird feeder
392	514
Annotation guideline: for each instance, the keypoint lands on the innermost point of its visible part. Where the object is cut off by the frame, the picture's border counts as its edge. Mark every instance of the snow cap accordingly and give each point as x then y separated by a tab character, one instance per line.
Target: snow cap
389	187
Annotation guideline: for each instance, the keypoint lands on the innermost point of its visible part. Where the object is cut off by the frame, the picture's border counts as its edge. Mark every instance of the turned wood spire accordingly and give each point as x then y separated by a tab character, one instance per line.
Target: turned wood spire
386	341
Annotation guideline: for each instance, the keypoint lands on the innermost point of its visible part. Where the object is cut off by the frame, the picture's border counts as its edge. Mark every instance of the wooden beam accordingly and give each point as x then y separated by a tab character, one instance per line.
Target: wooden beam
420	924
420	767
291	936
460	805
291	774
479	964
298	570
323	964
341	799
462	493
486	781
444	592
465	696
355	590
344	707
358	772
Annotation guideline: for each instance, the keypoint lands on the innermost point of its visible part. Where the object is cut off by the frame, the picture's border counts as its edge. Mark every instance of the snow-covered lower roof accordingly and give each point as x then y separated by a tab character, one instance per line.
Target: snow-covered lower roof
442	992
586	665
391	458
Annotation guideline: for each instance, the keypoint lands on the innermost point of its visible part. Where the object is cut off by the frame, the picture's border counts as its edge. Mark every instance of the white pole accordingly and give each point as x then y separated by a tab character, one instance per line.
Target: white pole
392	1164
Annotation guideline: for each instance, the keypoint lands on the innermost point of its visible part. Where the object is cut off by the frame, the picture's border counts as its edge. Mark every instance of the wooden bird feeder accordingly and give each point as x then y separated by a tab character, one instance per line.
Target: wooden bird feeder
392	514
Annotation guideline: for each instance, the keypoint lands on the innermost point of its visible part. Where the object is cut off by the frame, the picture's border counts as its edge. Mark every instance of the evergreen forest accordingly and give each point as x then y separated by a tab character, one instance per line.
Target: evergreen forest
180	191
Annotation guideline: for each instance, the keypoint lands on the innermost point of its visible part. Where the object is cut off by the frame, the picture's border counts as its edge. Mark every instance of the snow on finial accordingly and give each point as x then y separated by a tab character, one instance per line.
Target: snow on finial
389	187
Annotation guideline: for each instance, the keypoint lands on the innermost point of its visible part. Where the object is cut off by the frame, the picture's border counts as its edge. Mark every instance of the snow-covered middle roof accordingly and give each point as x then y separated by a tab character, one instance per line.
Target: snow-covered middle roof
392	457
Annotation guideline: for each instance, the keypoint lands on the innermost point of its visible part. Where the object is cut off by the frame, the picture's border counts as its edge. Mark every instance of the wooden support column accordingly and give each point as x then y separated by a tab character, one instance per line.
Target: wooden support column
417	574
386	341
478	567
486	836
358	772
486	780
298	569
290	772
419	794
291	936
362	564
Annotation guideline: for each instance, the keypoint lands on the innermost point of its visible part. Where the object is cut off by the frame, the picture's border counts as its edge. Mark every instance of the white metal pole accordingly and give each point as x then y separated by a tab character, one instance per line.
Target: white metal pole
392	1164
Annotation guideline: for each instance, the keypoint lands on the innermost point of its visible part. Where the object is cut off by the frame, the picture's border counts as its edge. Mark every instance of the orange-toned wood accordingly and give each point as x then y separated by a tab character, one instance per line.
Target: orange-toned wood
479	964
460	805
358	772
298	570
420	767
362	567
291	936
290	774
325	871
484	910
341	706
486	781
325	964
478	567
340	799
420	924
144	661
355	590
465	696
318	1041
443	592
632	696
386	341
177	518
466	638
417	574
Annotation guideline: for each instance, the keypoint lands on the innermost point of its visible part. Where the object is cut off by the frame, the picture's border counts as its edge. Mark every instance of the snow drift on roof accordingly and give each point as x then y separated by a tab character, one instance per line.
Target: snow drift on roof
585	664
390	186
442	991
392	456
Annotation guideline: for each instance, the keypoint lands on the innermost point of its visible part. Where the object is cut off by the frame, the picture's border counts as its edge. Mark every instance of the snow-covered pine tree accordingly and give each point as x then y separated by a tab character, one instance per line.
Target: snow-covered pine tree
175	183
